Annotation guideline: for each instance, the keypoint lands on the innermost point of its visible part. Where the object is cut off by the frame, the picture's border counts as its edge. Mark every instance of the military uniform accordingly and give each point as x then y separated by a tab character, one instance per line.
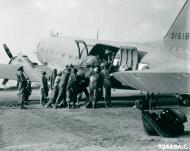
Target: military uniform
53	77
62	88
28	90
105	79
22	83
55	90
44	89
82	85
72	88
94	86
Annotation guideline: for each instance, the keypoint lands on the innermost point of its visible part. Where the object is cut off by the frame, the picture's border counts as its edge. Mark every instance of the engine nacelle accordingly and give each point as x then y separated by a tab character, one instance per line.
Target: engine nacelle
21	60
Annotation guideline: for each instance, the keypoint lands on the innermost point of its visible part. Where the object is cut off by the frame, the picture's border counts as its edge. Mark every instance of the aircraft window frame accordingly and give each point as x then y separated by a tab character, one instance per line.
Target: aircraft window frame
80	51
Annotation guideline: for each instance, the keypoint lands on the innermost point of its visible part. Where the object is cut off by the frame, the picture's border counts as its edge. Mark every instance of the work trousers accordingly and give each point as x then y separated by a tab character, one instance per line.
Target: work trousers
71	97
44	95
61	96
54	95
107	91
22	96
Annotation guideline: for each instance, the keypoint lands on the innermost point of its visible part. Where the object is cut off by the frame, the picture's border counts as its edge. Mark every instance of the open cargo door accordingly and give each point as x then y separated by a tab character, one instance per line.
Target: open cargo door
129	57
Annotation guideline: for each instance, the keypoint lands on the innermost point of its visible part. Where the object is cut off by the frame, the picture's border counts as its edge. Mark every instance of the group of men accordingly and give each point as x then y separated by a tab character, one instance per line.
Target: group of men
68	87
71	83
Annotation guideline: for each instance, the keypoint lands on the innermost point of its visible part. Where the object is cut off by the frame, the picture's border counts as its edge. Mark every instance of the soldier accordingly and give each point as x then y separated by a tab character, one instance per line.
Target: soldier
108	55
94	86
55	90
83	84
28	90
105	79
44	89
72	88
61	98
22	83
52	78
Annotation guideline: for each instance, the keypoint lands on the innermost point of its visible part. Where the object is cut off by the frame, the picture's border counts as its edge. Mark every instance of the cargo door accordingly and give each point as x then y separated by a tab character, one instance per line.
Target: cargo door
135	59
129	57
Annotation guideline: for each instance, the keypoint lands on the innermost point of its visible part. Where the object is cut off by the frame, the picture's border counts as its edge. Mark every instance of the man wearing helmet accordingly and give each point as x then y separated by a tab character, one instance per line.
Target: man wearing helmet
22	83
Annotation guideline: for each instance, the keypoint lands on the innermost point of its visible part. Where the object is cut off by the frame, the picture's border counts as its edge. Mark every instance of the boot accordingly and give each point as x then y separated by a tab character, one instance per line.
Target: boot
55	107
68	106
110	104
52	105
64	104
22	106
26	102
47	105
86	105
94	105
106	105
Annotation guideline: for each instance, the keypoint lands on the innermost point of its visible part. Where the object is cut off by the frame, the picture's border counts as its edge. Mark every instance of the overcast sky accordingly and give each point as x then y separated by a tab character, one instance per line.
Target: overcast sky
25	22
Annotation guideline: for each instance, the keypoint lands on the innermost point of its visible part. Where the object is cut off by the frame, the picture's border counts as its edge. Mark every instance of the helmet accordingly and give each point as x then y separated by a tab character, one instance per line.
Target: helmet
43	72
75	70
69	67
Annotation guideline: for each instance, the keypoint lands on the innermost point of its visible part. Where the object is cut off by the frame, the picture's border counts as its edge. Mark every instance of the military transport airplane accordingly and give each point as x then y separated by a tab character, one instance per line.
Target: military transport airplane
156	67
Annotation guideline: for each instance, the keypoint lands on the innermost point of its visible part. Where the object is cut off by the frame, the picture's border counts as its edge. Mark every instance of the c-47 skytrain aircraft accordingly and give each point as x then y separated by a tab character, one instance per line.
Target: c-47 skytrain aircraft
155	67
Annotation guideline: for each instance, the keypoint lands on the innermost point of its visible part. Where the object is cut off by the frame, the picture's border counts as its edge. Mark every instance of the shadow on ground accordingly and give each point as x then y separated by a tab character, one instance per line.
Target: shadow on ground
117	101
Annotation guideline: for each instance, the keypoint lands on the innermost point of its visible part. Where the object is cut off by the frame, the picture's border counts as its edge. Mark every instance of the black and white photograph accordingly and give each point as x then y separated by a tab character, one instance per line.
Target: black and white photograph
94	75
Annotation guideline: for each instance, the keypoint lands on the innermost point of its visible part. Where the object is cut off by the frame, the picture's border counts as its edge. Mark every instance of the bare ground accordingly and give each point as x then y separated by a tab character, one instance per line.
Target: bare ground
114	129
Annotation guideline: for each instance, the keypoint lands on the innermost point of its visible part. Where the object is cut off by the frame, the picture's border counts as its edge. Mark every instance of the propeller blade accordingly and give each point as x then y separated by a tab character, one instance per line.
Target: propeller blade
8	51
5	81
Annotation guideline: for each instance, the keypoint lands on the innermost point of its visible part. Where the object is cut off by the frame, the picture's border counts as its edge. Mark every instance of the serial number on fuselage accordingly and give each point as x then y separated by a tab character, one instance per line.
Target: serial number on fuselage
179	35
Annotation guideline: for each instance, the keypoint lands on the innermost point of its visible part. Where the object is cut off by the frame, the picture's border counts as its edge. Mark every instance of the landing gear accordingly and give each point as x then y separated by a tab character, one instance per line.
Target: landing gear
184	99
147	101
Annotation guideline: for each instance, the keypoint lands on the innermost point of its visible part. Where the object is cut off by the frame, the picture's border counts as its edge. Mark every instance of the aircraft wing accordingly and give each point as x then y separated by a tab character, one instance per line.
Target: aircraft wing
8	71
161	80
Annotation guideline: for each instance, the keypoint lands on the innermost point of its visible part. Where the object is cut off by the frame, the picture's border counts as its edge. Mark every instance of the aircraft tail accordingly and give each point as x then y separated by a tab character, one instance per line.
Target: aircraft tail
178	36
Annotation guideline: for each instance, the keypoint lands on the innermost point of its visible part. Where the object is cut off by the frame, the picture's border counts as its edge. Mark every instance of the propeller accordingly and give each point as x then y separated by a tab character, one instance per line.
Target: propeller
7	50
